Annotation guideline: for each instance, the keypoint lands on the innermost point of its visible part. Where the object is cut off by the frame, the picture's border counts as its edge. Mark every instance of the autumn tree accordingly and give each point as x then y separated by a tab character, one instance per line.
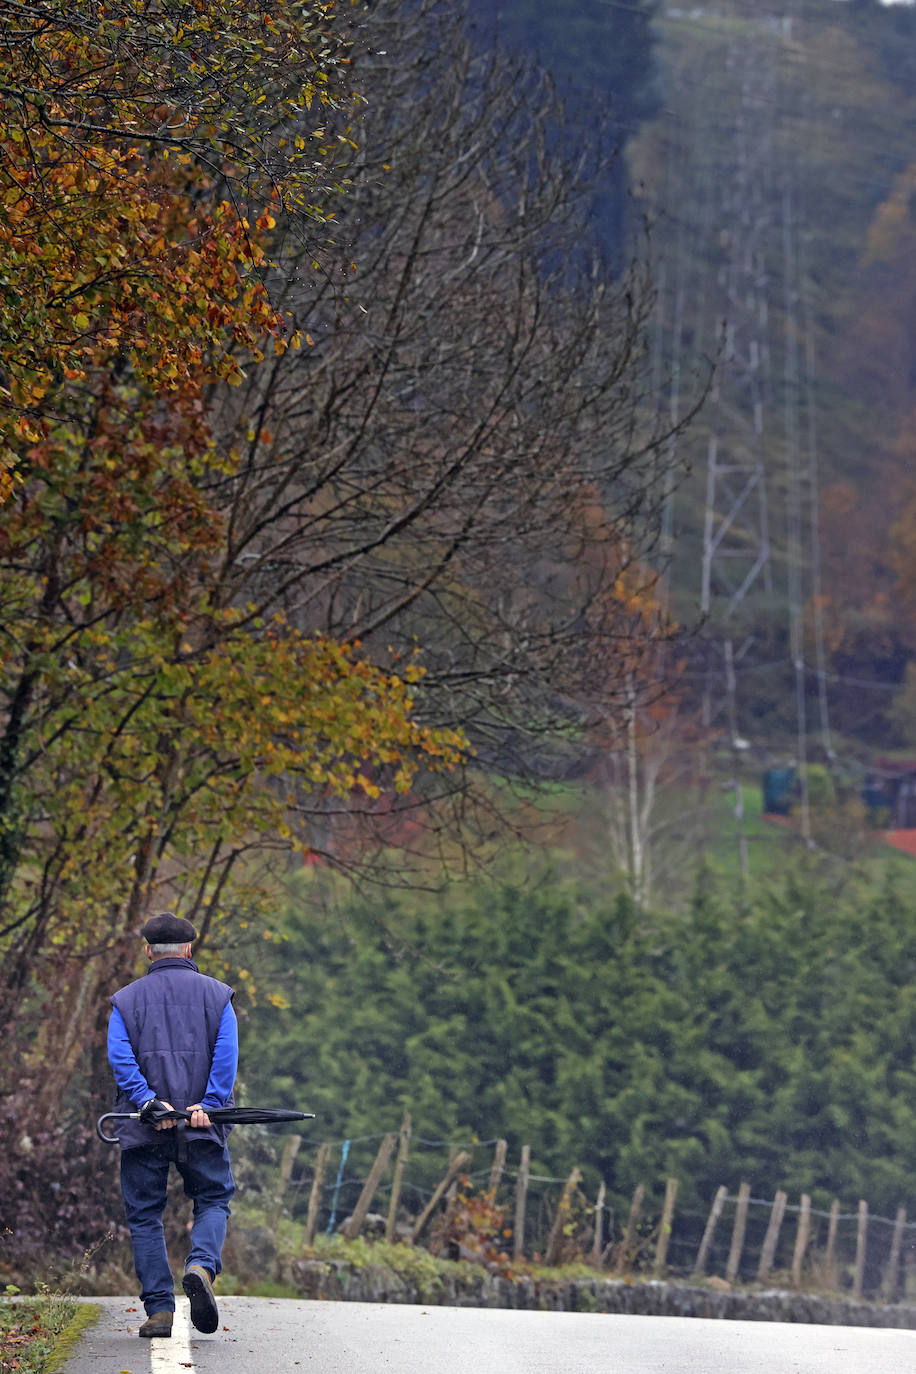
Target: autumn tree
151	724
115	121
150	718
134	138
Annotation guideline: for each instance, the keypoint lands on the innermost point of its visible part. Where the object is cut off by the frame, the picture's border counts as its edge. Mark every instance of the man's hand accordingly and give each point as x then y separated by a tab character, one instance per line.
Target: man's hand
199	1116
156	1104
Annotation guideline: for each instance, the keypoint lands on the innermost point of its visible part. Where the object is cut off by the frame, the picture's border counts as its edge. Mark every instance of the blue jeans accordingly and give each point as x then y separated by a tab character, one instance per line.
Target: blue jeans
208	1181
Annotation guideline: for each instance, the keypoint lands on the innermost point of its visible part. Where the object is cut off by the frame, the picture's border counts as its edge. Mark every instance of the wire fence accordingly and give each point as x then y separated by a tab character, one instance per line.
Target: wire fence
402	1186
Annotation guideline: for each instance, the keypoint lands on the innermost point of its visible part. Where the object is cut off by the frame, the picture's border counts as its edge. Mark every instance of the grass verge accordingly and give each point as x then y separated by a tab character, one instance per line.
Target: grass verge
38	1334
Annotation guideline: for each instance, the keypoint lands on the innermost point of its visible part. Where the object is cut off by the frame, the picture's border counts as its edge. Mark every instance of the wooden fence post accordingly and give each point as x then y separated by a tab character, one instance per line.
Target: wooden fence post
321	1164
496	1169
521	1196
771	1239
664	1230
909	1270
740	1226
892	1274
629	1236
861	1238
712	1221
399	1165
451	1191
830	1274
598	1238
290	1150
354	1225
454	1168
801	1239
555	1243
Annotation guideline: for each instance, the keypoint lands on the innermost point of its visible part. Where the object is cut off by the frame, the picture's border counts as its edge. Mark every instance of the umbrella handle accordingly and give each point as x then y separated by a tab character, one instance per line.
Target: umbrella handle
113	1116
127	1116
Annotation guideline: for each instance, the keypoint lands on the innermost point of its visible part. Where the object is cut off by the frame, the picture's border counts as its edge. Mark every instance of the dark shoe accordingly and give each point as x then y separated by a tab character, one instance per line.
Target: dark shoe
204	1312
159	1324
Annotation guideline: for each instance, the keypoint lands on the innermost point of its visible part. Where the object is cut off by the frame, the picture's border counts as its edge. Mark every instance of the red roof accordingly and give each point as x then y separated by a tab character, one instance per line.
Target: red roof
904	840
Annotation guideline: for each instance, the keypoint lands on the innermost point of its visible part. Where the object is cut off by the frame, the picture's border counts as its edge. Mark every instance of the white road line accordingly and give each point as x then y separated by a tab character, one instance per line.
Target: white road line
173	1355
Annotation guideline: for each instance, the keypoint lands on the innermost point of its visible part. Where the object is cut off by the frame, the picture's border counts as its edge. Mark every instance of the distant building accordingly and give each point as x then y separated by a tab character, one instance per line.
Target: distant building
890	786
780	791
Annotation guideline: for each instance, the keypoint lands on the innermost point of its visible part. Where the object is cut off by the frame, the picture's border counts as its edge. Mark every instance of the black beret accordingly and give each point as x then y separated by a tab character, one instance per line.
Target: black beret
168	929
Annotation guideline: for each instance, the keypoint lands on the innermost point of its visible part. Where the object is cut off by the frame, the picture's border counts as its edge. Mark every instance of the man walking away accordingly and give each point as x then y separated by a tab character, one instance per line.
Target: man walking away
173	1041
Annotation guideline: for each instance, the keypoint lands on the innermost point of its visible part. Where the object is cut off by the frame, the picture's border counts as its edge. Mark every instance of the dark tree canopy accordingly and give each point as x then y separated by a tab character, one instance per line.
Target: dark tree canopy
601	57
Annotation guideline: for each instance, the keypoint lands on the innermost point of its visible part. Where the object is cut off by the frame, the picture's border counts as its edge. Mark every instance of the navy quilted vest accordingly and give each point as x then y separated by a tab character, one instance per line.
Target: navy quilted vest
172	1015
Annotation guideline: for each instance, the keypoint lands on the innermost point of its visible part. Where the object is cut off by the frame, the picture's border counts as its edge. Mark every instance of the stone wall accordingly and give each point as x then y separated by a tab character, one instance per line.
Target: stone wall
365	1272
465	1285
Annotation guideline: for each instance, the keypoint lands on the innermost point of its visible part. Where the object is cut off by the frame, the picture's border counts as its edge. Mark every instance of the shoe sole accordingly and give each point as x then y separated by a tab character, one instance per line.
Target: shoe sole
204	1312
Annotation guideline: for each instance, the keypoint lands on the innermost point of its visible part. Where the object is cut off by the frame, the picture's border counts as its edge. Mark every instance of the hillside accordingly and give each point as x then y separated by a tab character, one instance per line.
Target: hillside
779	176
772	153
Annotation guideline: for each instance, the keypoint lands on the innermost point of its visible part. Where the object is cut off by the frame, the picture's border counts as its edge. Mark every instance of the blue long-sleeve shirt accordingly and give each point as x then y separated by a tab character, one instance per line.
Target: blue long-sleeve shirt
223	1067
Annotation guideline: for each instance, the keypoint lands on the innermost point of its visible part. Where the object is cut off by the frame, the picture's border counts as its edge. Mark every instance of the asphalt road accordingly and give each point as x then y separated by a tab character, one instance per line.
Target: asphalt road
262	1335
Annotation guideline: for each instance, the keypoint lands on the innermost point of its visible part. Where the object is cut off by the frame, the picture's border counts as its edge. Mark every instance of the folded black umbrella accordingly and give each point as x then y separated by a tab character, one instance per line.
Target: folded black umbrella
237	1116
